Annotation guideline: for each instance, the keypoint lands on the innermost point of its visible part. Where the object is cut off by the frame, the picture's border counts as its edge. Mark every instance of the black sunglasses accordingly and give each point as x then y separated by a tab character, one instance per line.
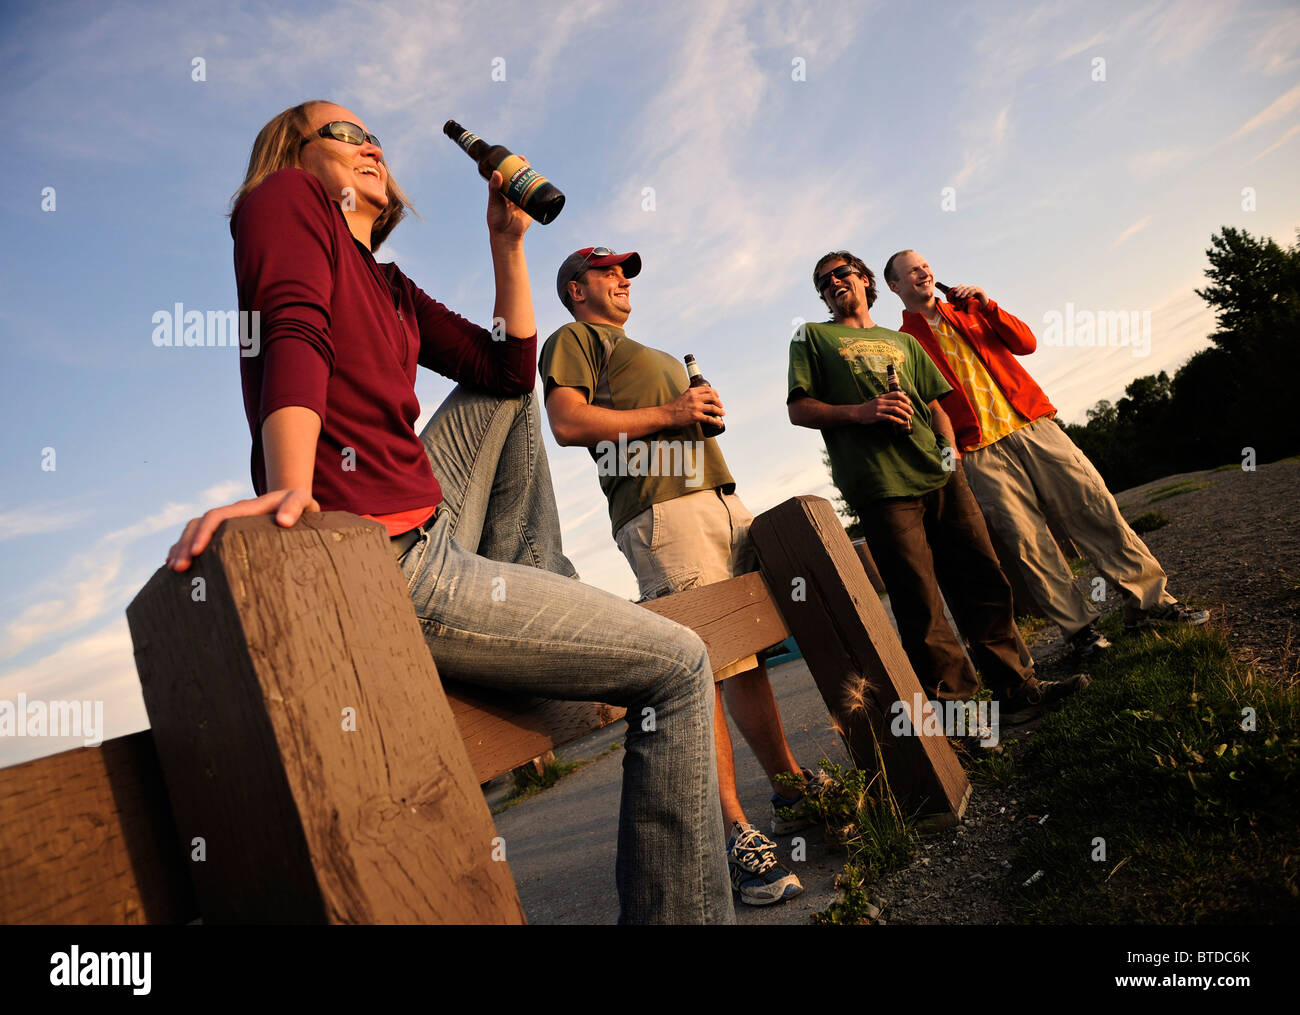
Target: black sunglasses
841	273
342	130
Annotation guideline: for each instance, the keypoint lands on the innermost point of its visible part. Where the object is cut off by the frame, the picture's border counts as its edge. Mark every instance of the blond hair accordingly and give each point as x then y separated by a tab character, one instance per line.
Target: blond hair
279	145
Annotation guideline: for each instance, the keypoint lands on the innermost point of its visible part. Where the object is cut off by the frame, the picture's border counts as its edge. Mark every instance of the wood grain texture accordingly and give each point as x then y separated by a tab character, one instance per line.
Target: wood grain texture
501	731
86	837
851	648
736	618
304	820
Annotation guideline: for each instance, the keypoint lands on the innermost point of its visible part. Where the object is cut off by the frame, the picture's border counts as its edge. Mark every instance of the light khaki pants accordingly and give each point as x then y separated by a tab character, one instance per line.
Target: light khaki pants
689	541
1035	472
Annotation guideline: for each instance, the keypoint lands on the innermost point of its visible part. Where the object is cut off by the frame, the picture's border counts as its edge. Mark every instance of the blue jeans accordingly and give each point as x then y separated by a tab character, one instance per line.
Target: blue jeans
499	607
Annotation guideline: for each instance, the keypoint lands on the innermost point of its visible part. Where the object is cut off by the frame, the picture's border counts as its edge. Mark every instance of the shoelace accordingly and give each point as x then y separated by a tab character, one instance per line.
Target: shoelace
745	851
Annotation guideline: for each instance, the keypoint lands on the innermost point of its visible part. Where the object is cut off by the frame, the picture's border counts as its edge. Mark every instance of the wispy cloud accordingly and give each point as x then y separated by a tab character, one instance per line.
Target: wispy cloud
1133	230
32	521
1278	48
1275	110
1091	43
99	666
717	75
1160	161
1174	32
1078	377
89	584
1292	132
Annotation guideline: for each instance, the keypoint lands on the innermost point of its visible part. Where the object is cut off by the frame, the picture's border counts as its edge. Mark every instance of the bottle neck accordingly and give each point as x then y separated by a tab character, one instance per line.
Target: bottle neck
693	370
469	141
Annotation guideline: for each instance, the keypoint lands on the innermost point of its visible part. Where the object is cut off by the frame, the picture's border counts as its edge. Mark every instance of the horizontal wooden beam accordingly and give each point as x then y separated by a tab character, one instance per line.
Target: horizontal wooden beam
87	837
736	618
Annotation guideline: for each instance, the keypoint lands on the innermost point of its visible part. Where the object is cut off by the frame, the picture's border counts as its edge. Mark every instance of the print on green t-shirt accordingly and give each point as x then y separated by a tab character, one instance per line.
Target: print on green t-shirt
614	372
840	365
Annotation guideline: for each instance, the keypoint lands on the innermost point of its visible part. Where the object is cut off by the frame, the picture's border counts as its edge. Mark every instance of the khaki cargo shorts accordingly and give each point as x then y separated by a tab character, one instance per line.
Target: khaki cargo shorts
688	542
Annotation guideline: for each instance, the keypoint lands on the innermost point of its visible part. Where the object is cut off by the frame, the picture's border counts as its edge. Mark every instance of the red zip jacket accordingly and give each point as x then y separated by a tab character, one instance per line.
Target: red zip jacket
997	338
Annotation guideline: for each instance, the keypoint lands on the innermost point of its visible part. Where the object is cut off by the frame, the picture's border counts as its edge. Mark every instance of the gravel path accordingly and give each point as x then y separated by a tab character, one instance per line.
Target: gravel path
1233	547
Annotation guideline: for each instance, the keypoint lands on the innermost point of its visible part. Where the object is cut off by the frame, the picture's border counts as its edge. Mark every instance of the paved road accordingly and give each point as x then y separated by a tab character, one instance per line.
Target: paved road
560	843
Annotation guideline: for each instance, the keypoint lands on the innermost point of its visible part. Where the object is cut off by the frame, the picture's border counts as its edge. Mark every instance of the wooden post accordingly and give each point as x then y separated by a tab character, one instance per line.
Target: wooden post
869	565
309	752
820	585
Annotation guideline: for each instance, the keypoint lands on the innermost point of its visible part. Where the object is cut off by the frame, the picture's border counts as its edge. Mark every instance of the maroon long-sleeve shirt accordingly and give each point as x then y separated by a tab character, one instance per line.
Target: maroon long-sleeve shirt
341	335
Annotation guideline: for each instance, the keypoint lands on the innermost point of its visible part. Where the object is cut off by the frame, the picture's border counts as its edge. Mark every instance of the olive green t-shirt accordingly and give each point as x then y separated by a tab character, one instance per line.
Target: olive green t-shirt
614	372
840	365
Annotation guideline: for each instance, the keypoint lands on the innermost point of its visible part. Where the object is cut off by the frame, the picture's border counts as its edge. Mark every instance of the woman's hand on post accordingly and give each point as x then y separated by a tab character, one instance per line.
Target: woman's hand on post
287	506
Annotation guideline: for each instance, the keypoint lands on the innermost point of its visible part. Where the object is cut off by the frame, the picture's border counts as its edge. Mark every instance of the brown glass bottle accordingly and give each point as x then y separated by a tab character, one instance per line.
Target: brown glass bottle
947	291
698	381
900	429
520	182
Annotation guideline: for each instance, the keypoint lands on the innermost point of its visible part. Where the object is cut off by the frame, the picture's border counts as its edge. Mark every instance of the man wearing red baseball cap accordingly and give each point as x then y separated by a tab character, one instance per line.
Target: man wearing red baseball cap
674	515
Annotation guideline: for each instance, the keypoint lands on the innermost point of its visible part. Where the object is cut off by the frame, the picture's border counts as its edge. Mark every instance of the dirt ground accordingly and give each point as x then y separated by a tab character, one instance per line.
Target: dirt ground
1232	547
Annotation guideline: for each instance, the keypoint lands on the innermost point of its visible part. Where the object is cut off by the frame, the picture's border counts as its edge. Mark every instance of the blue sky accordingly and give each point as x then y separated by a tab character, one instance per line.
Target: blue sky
1073	182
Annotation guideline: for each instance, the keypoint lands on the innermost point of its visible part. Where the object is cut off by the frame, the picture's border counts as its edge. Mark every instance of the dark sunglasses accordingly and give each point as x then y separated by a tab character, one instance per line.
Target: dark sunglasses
342	130
841	273
594	252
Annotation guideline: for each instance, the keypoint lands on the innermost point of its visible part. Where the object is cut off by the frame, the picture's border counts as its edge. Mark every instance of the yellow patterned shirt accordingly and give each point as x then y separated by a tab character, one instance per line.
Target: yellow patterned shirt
995	414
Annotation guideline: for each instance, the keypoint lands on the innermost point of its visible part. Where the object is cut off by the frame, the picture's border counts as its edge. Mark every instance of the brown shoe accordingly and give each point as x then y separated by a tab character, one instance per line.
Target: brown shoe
1043	692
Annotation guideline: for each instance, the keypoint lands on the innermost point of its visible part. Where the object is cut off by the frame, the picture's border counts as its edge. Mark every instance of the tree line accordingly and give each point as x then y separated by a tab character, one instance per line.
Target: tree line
1235	395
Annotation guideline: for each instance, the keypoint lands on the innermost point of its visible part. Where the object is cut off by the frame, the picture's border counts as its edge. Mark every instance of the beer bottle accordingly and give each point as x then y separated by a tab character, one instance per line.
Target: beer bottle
946	289
900	429
520	182
698	381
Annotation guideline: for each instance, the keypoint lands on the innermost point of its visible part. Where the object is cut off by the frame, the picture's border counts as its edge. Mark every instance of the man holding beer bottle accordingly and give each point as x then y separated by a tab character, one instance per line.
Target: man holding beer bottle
675	517
1022	465
922	525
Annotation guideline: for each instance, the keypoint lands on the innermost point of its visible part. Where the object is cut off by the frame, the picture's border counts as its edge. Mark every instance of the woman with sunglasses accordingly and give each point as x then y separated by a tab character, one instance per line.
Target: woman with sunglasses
468	504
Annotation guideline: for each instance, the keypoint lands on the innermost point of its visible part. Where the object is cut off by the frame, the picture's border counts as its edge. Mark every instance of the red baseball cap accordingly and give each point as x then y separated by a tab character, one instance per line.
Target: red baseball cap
593	257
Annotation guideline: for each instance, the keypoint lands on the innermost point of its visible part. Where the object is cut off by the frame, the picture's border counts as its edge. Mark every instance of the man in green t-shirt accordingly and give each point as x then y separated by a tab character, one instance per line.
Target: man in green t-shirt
675	516
922	524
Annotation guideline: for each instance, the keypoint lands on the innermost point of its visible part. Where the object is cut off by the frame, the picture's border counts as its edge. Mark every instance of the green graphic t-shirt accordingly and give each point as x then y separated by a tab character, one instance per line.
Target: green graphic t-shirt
615	372
840	365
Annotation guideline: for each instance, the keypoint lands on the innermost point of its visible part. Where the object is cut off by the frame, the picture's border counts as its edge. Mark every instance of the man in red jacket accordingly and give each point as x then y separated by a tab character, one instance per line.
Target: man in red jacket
1020	464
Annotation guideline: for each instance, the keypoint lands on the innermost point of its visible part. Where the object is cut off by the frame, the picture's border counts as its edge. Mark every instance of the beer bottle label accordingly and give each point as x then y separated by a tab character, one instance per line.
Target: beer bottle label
467	139
521	179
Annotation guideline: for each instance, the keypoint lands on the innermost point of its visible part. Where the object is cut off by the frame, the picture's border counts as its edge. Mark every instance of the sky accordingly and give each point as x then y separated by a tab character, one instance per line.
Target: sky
1066	156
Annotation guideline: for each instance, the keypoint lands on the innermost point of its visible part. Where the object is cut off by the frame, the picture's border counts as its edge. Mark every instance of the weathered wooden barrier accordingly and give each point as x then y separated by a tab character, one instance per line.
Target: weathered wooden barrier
306	765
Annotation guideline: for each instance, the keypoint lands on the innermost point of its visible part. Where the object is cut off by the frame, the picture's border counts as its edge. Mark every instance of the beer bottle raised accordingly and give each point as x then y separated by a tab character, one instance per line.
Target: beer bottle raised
698	381
520	182
891	375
